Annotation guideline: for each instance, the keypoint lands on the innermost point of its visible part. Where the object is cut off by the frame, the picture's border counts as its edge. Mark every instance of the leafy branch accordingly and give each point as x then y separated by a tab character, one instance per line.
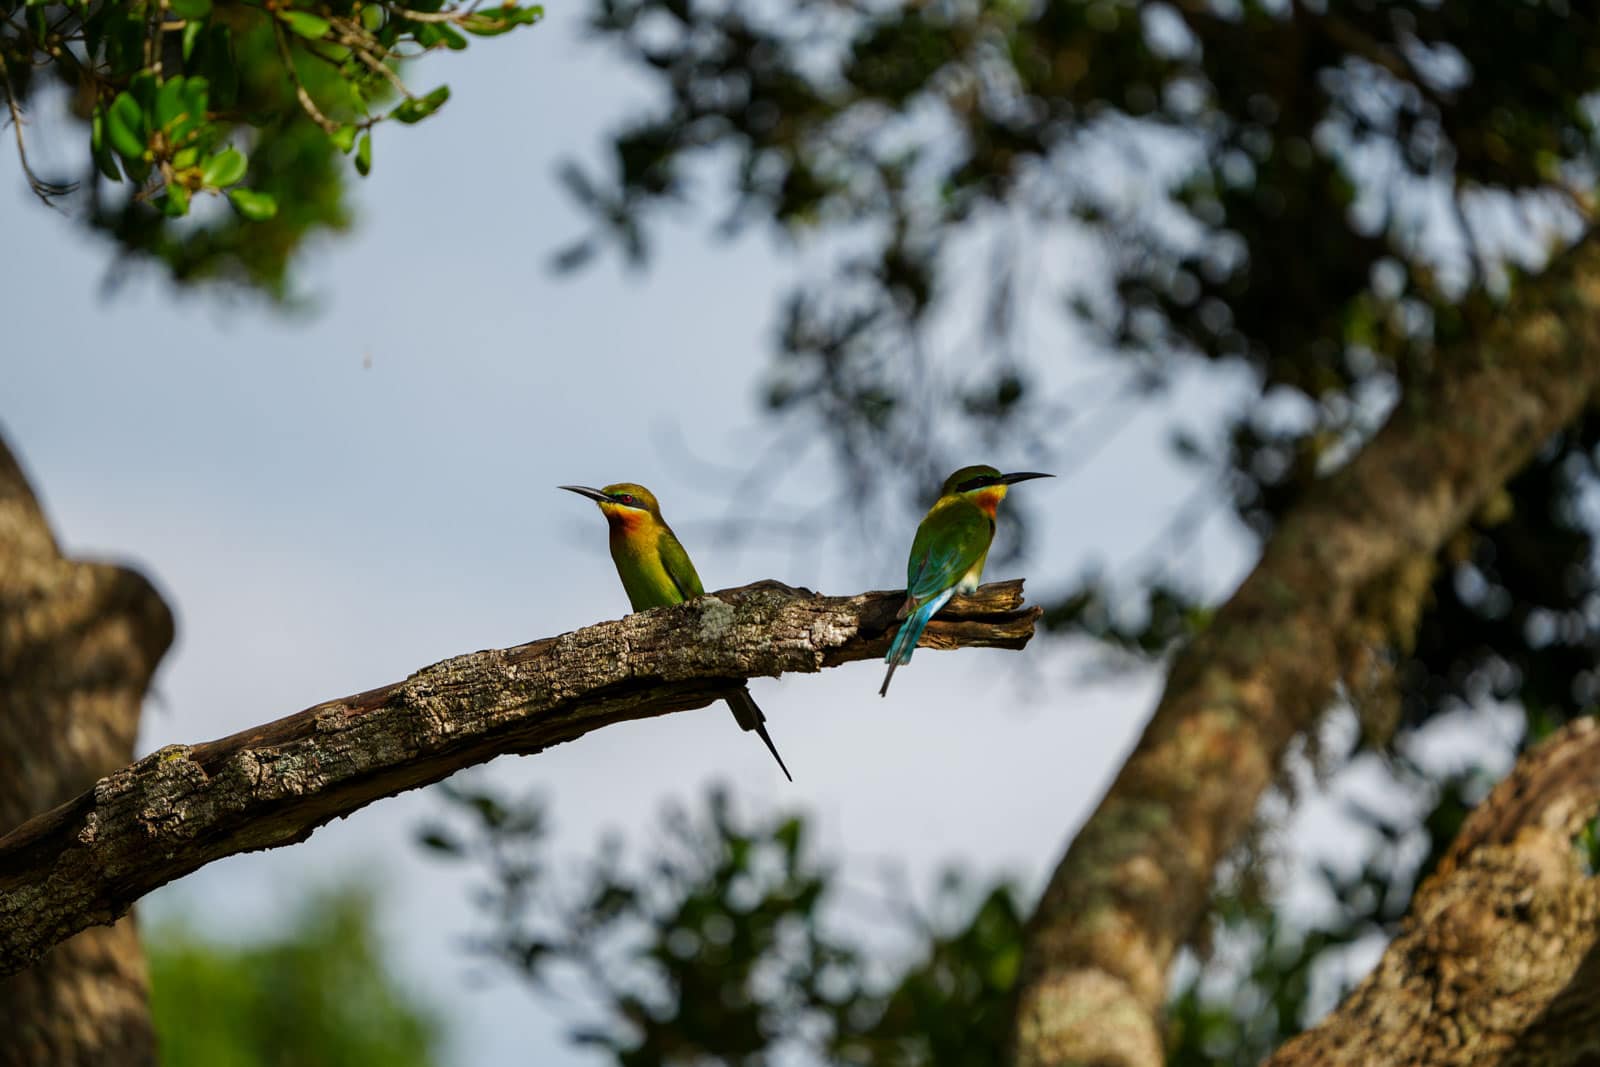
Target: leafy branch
179	95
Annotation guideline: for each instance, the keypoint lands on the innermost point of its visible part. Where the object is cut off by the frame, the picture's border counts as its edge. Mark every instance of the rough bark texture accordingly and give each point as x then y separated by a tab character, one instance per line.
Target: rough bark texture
78	644
1134	884
1497	963
181	807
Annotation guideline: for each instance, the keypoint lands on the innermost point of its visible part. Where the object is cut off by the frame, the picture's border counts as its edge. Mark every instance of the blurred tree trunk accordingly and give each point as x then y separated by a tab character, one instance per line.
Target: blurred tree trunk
79	642
1498	961
1340	579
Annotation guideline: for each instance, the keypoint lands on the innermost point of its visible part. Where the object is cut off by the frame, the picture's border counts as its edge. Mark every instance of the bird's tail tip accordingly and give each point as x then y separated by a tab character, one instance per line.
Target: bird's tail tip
883	690
750	717
905	641
766	739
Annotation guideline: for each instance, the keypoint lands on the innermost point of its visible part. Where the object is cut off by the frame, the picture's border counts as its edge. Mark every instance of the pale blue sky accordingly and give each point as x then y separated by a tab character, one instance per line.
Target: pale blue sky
322	526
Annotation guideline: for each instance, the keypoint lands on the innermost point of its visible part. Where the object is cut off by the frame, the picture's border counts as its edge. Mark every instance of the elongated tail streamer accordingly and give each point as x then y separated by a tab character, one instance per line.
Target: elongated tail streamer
750	717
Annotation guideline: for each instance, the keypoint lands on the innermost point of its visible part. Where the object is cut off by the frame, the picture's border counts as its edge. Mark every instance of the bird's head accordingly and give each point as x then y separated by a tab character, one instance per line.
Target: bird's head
984	486
626	505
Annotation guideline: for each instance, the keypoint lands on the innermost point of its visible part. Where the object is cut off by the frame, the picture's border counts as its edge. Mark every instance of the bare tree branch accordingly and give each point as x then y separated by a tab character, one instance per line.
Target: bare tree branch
45	191
184	806
307	103
1134	884
1497	961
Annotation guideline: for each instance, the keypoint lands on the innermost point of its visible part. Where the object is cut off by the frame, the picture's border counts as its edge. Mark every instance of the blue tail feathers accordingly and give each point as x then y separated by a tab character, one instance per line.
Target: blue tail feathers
905	642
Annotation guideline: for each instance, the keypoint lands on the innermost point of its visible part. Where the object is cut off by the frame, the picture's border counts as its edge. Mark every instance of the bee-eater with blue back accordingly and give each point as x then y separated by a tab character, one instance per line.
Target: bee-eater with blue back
949	551
656	572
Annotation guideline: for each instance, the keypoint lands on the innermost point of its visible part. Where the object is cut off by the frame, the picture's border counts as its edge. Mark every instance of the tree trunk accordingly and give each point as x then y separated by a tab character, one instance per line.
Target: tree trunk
78	644
1498	962
1337	579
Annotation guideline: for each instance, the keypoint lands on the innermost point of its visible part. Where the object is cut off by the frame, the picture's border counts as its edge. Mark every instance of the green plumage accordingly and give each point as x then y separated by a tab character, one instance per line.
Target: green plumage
656	572
950	548
948	552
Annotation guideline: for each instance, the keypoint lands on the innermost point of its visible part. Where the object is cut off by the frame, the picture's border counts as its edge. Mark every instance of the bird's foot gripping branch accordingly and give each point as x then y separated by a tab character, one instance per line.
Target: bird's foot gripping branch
181	807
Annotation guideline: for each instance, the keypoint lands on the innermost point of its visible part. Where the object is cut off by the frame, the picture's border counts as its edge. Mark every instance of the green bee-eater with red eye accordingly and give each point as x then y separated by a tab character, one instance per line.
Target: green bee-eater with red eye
949	551
656	572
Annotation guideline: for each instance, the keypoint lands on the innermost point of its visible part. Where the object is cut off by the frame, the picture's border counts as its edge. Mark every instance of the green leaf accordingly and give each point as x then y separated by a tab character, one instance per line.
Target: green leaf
253	205
125	44
191	34
221	66
100	149
125	127
452	40
196	97
306	24
169	102
190	9
344	138
175	204
144	88
420	108
197	94
364	155
224	169
501	20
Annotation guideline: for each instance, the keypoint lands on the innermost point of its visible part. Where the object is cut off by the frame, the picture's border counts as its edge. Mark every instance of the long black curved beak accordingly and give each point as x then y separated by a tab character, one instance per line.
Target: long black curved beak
584	490
1022	476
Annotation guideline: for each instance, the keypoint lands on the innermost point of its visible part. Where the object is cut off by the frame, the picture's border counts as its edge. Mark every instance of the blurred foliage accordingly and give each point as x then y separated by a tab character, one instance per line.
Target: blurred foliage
1265	977
319	994
729	941
252	101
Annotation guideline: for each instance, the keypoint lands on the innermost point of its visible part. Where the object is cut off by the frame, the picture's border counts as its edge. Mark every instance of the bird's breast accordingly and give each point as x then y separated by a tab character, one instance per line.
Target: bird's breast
988	500
638	559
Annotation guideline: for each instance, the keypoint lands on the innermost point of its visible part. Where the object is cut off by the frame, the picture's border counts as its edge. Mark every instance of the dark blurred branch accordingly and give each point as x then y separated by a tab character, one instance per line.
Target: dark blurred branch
1384	55
1500	942
184	806
1335	582
301	93
45	191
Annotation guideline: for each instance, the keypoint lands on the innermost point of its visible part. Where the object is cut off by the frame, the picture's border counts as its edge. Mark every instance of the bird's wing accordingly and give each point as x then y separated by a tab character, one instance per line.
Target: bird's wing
676	563
949	541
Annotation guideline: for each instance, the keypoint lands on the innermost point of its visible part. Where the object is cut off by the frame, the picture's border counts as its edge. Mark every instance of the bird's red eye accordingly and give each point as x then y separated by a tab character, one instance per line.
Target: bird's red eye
626	498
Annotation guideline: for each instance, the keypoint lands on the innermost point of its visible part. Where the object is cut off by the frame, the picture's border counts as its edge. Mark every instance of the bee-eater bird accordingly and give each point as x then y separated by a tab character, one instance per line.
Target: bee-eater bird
656	572
949	551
